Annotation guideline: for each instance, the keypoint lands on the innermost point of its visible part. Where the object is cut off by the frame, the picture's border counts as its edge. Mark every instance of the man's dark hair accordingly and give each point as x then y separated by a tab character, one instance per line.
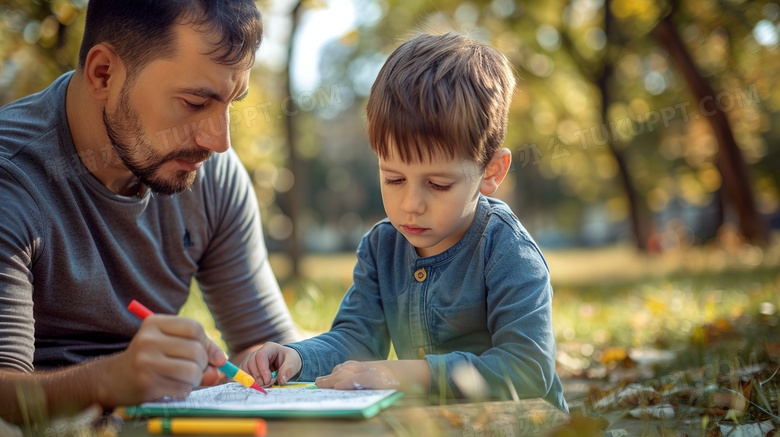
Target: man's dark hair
142	30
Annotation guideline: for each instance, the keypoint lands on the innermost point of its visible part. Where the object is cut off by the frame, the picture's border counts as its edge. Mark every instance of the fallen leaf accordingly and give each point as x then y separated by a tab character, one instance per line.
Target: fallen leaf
687	394
744	373
611	354
773	350
661	411
715	411
538	417
755	429
739	404
9	430
455	420
734	415
669	432
651	356
721	400
632	394
581	426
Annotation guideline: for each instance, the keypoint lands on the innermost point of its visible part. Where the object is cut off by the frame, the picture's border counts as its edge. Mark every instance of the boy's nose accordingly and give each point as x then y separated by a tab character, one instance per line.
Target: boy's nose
413	202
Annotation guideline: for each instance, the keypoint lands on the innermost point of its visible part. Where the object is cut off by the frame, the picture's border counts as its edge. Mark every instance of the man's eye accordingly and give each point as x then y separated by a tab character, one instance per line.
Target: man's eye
393	181
194	106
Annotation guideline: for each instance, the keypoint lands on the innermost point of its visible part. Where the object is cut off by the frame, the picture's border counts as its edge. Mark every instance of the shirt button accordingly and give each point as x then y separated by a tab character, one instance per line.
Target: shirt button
420	275
420	353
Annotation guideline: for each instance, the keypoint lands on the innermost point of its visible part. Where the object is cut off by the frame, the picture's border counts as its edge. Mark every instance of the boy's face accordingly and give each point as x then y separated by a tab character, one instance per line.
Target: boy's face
432	203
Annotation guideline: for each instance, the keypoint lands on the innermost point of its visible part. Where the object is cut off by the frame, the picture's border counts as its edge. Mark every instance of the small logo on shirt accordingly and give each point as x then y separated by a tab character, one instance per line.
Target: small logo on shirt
187	241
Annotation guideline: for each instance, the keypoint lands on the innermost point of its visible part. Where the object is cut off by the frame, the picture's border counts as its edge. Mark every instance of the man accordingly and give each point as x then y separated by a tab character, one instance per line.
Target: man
110	191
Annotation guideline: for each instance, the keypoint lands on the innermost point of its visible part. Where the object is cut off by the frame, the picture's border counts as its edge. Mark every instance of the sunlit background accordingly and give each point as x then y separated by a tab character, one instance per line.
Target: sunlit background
641	169
644	134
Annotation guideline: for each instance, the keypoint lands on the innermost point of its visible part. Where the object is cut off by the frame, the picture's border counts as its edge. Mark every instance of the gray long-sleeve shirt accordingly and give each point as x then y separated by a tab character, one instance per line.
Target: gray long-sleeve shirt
73	254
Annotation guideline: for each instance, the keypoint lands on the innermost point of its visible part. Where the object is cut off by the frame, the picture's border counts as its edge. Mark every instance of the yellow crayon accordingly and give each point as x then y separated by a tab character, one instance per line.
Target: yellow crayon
292	385
187	425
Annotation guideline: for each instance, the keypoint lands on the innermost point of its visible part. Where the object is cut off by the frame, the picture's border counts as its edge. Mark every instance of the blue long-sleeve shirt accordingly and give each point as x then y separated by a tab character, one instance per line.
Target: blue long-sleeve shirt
485	302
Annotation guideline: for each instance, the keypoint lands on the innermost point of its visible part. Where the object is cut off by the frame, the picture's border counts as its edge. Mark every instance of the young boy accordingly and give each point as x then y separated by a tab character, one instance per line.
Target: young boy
451	276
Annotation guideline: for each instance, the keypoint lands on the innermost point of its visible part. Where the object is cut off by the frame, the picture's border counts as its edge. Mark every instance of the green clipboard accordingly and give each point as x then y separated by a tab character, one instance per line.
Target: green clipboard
234	400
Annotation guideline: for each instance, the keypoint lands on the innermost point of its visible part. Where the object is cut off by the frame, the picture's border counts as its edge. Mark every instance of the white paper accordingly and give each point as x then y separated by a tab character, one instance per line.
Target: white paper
235	397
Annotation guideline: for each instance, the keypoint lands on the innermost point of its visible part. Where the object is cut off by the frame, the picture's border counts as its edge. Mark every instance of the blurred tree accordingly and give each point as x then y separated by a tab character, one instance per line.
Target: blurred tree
641	223
593	75
599	113
38	42
729	157
708	148
294	197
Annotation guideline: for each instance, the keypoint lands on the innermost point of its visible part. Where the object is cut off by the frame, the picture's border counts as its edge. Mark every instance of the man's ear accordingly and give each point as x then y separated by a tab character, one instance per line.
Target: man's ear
103	70
495	171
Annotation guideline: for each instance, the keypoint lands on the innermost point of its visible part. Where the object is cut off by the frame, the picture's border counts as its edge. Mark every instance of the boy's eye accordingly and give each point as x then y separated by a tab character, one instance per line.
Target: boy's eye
438	187
389	181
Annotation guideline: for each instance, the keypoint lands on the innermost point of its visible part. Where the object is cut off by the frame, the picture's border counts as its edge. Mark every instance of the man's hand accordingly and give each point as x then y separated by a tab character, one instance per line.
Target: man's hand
285	360
355	375
168	356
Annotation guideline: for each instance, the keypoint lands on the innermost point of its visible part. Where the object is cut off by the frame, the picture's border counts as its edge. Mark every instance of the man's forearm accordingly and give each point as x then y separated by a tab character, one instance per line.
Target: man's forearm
45	394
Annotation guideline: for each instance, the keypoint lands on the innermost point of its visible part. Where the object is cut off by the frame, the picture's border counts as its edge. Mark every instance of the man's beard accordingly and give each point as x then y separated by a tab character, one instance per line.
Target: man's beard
137	153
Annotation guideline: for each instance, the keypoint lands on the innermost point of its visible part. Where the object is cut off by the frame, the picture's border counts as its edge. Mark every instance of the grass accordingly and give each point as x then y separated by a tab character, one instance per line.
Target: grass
618	316
605	297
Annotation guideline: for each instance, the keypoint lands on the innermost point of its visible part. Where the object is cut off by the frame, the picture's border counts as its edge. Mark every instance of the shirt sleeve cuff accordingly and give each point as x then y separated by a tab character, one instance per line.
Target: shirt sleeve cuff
306	373
441	384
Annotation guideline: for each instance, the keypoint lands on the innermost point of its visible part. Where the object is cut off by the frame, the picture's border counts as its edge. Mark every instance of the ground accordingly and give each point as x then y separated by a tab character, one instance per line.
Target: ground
687	334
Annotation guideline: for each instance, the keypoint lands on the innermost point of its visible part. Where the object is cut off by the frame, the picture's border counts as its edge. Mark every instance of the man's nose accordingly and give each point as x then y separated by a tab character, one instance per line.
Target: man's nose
213	134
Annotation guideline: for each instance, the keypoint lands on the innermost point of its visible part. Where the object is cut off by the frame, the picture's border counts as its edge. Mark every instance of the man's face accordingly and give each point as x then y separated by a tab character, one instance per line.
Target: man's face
174	115
432	203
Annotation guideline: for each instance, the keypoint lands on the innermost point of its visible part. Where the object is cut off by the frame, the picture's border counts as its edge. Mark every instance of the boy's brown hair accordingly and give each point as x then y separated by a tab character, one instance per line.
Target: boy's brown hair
441	94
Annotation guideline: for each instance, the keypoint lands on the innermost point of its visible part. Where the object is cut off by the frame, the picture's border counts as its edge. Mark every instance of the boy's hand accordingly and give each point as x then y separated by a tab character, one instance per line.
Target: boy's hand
285	360
354	375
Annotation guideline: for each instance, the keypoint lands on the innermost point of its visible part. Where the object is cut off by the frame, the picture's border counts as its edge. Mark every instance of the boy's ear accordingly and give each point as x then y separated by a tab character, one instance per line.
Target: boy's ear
102	70
495	171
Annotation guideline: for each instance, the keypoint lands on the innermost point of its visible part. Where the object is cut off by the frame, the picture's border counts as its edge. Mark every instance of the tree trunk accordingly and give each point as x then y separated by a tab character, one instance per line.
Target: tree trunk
296	192
601	75
738	193
637	225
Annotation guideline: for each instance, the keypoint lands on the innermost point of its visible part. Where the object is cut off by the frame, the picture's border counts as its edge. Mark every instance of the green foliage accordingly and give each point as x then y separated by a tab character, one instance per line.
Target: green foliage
556	131
563	173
